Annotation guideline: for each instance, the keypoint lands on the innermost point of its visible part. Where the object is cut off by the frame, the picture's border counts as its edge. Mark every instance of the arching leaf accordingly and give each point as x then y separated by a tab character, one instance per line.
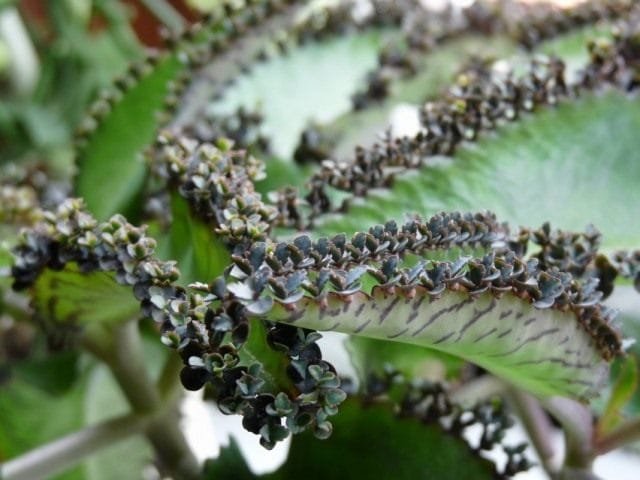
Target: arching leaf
560	164
281	87
111	169
543	351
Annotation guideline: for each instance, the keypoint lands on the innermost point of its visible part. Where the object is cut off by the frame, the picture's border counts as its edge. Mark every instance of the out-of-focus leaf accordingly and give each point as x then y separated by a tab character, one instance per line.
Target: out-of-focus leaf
31	417
70	296
372	442
110	167
200	253
228	465
623	389
314	81
54	374
626	300
367	442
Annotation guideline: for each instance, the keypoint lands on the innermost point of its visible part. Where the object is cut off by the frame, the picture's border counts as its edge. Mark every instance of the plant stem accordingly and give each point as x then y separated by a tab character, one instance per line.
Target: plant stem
63	453
577	425
624	434
124	356
168	383
479	388
537	425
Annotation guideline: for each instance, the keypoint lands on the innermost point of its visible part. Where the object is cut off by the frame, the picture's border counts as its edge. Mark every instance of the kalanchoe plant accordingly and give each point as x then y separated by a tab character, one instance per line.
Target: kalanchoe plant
191	227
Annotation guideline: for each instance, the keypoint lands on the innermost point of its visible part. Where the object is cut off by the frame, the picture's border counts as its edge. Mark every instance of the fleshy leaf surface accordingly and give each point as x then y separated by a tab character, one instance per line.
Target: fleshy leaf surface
543	351
560	164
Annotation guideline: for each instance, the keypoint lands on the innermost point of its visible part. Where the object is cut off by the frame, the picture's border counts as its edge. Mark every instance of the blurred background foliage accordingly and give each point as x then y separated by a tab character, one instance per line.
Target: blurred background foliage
56	56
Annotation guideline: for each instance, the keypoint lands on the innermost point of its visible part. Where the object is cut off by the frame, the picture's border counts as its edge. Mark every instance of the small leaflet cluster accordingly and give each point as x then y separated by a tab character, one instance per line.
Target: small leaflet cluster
218	183
72	235
628	266
529	25
479	101
617	61
571	252
546	20
429	403
207	335
242	127
20	205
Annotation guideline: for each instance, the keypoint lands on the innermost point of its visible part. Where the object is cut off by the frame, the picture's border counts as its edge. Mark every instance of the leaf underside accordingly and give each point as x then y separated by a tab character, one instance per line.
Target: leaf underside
543	351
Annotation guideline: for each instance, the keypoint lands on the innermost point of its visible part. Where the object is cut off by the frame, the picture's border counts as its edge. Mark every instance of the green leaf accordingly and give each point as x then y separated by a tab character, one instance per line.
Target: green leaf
70	296
228	465
543	351
371	442
367	442
623	389
372	356
625	299
200	253
110	167
54	373
31	417
435	71
313	82
571	165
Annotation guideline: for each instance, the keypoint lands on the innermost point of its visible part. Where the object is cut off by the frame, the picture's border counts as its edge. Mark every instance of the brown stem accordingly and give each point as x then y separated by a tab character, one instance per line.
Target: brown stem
623	435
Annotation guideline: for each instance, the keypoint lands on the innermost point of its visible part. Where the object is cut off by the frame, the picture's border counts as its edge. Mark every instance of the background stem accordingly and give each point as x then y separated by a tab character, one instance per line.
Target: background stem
577	424
624	434
537	425
63	453
125	357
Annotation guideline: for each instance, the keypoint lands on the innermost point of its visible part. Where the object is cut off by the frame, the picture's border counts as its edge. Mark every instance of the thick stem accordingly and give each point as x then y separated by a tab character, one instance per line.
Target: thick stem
623	435
577	425
63	453
537	425
125	358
